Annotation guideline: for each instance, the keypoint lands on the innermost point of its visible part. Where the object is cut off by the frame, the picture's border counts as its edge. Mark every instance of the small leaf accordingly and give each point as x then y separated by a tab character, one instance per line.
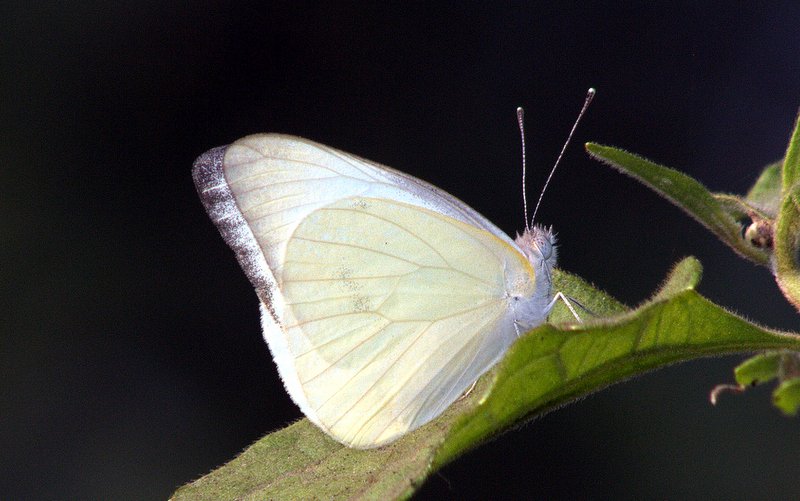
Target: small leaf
787	227
765	195
787	396
790	173
684	276
548	367
758	369
718	213
783	365
755	370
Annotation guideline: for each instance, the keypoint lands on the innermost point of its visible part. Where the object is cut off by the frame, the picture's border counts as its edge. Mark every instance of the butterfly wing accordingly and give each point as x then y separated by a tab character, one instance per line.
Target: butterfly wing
382	297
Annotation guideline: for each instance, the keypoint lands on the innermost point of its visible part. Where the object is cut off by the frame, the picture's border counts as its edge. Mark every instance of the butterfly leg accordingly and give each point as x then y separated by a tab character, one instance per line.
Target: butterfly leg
566	299
468	391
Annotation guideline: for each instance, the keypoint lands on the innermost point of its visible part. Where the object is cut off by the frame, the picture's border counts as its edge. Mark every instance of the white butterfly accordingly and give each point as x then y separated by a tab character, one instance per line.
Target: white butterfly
383	298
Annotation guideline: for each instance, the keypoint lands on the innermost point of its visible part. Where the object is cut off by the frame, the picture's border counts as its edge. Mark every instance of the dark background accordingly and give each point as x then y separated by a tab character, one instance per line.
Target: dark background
131	354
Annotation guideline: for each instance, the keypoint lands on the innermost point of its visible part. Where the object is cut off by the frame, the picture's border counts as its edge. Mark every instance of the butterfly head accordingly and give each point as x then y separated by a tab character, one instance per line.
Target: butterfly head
538	244
532	304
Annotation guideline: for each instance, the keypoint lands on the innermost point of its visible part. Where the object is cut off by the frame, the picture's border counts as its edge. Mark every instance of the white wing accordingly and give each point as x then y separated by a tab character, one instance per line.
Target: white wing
383	298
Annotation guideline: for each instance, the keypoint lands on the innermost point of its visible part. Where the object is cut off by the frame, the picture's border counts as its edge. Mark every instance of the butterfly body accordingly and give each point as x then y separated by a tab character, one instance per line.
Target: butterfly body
383	298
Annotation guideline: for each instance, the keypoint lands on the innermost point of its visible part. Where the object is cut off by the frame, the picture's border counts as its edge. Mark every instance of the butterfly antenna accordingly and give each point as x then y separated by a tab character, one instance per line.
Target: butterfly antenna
589	97
520	121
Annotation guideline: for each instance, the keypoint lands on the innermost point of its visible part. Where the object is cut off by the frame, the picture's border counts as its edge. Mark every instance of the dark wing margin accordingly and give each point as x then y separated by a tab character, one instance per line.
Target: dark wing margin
208	173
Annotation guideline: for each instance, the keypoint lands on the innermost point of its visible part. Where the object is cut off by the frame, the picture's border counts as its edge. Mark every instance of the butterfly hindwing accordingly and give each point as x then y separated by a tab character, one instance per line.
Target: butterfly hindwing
387	304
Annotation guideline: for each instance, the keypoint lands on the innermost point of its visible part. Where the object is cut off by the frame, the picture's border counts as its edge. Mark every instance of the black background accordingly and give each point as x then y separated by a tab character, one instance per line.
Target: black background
131	355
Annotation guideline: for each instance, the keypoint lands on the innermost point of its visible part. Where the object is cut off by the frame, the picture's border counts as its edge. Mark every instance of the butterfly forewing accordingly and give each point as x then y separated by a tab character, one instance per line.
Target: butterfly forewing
383	298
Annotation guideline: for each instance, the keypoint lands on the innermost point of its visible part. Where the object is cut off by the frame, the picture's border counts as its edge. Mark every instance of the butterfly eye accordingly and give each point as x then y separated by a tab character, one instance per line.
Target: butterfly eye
545	247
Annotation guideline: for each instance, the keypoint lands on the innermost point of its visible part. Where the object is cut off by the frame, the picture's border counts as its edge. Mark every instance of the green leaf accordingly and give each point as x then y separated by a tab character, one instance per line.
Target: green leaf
759	368
765	195
787	227
783	365
553	364
787	396
717	212
773	205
